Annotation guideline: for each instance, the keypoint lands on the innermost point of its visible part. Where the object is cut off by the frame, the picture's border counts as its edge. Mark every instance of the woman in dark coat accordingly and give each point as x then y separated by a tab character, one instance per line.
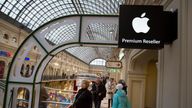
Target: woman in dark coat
83	98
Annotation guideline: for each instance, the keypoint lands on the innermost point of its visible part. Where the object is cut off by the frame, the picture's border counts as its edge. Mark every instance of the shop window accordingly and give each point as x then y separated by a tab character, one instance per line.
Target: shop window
23	95
35	47
2	69
27	69
6	36
14	39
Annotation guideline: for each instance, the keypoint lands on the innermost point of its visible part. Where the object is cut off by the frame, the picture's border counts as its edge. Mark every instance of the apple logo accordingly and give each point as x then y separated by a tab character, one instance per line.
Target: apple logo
140	24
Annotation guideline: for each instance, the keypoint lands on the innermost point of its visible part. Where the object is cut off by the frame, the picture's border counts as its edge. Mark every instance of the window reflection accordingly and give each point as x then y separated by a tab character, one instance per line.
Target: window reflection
23	97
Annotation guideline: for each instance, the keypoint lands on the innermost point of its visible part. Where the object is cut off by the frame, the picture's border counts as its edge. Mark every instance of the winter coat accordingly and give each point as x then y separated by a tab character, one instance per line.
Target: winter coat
98	89
110	87
83	99
120	100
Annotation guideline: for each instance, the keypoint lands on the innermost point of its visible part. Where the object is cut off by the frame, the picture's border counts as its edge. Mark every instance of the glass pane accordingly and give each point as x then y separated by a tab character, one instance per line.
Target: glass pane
100	62
23	95
46	10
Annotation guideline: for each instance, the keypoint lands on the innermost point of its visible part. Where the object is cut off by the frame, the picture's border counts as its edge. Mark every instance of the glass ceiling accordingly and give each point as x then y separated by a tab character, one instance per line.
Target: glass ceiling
98	62
87	54
61	34
33	13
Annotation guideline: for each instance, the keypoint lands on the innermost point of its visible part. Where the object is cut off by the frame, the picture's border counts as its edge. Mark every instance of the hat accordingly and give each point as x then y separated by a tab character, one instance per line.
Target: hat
119	86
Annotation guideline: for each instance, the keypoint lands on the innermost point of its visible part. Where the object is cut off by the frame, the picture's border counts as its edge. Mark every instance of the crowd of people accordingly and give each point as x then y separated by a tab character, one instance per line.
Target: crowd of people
116	93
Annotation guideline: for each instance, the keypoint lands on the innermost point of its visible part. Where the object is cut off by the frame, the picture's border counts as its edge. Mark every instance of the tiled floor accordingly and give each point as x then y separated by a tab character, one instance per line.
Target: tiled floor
104	103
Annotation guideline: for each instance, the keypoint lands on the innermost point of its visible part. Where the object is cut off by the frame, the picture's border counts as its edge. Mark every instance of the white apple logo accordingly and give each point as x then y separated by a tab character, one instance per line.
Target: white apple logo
140	24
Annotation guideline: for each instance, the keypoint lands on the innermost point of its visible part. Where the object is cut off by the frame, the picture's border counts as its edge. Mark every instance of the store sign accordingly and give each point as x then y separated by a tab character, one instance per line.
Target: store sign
146	27
5	54
114	64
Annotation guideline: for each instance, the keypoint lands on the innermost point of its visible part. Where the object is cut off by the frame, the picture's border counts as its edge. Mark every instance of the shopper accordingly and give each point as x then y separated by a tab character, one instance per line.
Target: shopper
110	87
124	85
120	99
99	92
43	97
83	98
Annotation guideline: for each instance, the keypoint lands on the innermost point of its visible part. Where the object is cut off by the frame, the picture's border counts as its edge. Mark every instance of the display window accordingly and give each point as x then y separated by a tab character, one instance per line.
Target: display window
6	36
23	97
61	93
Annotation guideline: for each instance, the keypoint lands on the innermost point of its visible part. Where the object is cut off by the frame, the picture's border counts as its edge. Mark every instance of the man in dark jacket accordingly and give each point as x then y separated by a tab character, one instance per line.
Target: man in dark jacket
99	92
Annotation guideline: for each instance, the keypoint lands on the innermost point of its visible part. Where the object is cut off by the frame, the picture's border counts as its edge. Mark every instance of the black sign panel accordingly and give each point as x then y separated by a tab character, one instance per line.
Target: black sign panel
141	27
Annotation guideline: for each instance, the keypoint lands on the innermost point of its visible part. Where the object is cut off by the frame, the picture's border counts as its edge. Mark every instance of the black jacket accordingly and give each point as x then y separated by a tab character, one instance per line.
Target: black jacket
83	99
98	89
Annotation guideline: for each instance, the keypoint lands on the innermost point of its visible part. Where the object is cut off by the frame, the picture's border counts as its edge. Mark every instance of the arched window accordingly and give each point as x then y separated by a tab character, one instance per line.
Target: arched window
6	36
14	39
98	62
35	47
2	69
23	95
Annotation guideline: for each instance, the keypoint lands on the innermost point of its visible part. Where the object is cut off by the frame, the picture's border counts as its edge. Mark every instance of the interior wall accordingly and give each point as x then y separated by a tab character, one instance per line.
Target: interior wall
151	85
136	90
141	85
175	64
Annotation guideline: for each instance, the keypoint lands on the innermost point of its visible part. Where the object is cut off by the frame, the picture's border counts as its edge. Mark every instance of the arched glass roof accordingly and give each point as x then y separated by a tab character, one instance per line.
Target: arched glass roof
98	62
87	54
33	13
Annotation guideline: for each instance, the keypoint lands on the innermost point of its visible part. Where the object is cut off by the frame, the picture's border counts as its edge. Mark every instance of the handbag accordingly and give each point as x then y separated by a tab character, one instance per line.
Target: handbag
73	105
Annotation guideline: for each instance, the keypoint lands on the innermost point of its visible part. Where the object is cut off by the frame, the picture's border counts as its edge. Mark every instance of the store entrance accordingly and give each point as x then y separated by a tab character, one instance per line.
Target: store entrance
64	74
142	78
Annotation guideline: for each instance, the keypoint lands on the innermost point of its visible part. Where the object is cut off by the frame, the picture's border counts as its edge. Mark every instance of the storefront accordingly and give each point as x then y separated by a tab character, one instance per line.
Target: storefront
170	65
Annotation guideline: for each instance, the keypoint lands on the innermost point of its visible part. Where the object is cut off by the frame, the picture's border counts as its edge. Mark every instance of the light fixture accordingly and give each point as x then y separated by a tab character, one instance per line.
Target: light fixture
56	64
121	53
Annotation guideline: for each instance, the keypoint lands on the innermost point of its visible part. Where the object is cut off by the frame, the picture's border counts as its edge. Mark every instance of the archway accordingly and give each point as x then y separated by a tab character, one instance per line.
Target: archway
76	33
142	78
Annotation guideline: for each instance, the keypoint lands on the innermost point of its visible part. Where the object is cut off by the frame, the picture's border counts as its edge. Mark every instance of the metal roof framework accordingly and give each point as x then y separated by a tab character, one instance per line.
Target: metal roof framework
34	13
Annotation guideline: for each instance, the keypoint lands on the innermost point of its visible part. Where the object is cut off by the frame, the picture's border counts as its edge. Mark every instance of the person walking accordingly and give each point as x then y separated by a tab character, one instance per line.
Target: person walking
120	99
83	98
99	92
110	87
124	85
